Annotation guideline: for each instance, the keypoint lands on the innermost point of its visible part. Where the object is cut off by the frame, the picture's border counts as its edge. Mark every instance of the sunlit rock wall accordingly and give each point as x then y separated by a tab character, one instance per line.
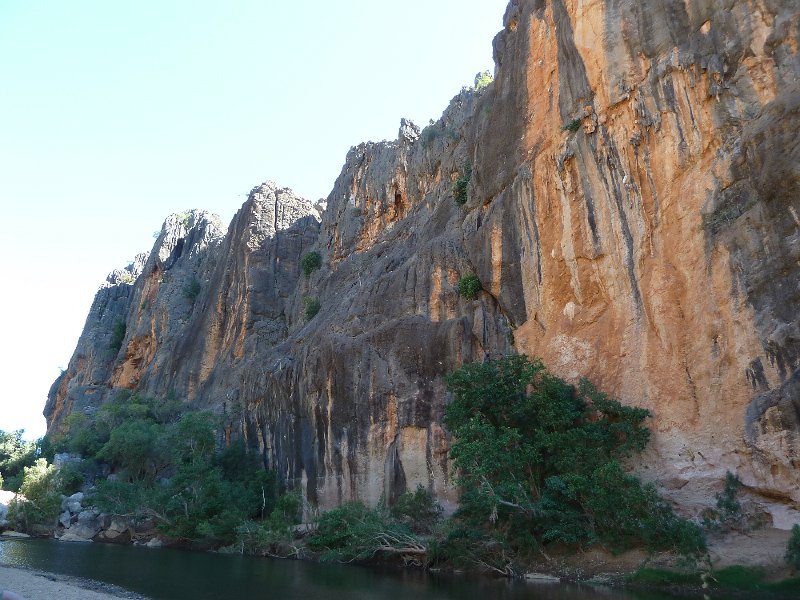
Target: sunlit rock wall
633	214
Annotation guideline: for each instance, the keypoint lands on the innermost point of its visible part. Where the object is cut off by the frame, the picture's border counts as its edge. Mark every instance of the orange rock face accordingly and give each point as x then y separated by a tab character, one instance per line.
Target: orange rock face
654	249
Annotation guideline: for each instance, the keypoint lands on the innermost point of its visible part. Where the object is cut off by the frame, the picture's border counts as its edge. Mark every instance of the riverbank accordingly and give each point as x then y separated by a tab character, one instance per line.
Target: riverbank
35	585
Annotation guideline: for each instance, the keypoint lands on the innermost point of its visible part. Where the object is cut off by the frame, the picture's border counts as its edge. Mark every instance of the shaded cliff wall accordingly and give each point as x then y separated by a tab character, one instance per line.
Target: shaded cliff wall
651	246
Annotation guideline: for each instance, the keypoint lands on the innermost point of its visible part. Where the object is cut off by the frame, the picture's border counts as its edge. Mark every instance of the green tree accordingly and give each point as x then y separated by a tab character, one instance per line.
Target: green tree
540	462
482	80
138	447
15	455
42	496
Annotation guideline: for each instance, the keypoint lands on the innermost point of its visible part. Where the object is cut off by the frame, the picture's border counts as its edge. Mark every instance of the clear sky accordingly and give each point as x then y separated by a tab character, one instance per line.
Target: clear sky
114	114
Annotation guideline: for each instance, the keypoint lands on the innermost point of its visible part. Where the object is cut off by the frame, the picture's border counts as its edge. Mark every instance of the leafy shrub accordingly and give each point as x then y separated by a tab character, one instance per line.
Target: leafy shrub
539	462
461	185
137	448
482	80
573	125
273	536
418	510
42	496
192	289
117	335
142	499
469	287
310	262
728	512
465	547
793	548
352	532
311	307
71	478
83	436
435	131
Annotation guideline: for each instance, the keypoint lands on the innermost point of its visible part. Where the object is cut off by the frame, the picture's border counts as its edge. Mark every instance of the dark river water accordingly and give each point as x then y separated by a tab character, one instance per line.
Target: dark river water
165	574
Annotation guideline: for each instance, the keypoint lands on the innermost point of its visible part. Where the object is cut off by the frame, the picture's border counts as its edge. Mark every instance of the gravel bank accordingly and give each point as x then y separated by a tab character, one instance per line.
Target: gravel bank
33	585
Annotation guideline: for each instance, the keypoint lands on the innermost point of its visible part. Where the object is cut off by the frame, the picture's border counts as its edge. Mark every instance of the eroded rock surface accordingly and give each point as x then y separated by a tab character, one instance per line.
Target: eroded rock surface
633	215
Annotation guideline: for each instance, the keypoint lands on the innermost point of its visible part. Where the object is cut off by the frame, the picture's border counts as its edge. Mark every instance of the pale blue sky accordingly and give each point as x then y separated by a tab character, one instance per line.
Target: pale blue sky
114	114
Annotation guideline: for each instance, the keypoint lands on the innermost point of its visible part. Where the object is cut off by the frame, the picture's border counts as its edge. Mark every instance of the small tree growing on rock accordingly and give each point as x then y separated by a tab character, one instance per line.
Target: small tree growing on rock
310	262
482	80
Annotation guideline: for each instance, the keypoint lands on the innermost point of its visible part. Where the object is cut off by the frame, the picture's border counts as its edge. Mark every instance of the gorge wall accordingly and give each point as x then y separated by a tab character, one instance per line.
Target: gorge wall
633	214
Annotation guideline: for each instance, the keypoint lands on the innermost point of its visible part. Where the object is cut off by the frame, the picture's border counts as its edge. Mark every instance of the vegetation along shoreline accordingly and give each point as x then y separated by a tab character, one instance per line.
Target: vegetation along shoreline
544	492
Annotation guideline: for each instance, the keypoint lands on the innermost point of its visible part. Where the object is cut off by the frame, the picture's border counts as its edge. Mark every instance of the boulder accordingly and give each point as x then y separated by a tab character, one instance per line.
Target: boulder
87	526
15	534
73	503
65	519
5	500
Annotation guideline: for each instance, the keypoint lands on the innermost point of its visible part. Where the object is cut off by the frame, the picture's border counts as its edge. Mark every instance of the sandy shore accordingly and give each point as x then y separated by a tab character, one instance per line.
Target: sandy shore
34	585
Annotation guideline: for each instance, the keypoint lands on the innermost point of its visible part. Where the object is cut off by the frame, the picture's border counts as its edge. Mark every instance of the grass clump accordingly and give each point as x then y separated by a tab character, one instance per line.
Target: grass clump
786	586
310	262
664	577
461	185
735	577
469	286
572	125
311	307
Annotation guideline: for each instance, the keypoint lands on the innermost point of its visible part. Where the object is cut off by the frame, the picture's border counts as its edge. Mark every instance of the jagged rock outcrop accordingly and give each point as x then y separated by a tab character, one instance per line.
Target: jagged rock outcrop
202	307
632	213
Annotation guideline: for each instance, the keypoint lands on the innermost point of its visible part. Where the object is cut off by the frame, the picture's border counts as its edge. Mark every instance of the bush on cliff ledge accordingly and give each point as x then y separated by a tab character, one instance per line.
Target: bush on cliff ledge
310	262
540	462
461	185
469	287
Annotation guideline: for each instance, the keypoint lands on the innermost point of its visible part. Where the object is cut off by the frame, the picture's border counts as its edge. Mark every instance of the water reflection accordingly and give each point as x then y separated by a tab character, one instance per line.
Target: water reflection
177	575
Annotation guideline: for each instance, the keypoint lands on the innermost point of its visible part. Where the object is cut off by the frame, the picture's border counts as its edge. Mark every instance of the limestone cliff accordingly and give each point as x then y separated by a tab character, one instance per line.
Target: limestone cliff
632	213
